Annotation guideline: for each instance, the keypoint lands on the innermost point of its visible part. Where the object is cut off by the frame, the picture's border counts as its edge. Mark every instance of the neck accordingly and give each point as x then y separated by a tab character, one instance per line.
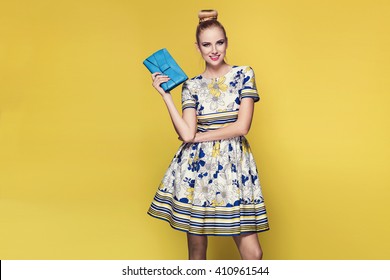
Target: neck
216	71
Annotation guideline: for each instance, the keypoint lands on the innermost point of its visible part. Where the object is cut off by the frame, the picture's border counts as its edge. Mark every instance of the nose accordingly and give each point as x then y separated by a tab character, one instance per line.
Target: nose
214	49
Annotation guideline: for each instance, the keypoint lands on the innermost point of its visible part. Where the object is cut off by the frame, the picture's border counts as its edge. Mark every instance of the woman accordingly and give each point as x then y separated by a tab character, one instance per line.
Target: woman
211	186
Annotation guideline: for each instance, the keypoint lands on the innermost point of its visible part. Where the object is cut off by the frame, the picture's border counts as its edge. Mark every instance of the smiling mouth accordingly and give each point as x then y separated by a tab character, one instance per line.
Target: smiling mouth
214	57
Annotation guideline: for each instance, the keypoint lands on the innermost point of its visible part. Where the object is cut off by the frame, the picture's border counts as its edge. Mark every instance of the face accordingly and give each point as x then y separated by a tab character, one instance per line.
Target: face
212	46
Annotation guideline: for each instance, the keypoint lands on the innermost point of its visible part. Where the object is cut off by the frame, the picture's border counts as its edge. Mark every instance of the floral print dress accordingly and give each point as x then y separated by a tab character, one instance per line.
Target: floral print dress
213	187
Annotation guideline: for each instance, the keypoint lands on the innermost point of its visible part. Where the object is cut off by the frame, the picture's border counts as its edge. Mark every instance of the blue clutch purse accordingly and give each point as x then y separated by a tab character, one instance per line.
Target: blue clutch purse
162	61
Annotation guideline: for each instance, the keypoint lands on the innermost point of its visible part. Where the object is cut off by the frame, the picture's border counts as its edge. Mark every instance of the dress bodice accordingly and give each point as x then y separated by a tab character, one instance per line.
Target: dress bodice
217	100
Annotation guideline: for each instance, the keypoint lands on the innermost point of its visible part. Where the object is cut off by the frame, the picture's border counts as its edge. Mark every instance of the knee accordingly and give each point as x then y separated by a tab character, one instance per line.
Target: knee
259	255
255	254
197	252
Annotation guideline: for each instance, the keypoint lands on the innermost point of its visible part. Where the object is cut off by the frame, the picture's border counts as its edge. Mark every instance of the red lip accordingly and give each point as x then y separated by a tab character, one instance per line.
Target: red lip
214	58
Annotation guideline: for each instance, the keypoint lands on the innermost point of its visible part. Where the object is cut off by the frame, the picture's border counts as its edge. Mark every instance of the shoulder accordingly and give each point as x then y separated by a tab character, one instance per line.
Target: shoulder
242	71
244	68
192	80
195	78
190	84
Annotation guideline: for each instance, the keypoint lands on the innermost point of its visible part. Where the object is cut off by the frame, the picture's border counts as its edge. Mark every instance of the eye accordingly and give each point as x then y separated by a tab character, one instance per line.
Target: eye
206	44
221	42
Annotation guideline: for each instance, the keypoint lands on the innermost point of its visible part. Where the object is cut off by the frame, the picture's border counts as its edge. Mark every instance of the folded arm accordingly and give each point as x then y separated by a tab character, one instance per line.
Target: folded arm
239	128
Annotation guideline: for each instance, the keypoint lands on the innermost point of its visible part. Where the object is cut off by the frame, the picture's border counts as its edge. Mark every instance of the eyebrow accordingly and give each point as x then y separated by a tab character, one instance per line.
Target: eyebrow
217	41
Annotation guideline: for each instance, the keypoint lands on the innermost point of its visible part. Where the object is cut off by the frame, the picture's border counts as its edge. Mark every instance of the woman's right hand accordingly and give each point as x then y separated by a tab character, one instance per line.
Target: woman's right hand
158	79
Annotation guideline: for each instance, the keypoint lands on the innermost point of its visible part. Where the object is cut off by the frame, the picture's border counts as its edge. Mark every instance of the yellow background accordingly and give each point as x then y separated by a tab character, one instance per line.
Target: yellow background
85	139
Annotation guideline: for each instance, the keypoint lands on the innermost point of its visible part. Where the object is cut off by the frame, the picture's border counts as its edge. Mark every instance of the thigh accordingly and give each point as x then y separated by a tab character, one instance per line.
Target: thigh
196	240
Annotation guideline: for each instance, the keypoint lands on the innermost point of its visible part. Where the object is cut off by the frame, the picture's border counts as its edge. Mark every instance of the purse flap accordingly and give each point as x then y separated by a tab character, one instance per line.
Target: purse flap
163	59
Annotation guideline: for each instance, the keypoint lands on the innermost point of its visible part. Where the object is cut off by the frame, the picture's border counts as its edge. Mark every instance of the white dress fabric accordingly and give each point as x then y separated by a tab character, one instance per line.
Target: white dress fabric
213	187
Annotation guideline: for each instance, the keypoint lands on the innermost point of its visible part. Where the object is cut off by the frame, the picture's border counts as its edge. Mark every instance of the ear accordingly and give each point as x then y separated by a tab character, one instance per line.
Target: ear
197	46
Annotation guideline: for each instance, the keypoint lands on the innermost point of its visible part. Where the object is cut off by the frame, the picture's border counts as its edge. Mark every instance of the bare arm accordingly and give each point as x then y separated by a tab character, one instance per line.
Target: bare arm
240	127
184	125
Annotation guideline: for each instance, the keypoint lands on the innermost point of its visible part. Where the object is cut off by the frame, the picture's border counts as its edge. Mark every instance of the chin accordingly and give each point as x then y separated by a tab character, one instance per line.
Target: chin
215	63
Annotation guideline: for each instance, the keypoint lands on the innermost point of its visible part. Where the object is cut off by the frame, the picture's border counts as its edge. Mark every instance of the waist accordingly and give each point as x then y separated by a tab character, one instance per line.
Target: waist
216	120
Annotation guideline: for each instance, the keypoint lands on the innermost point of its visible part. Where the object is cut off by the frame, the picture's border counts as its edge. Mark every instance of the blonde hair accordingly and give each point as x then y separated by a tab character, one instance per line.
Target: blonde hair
208	19
205	15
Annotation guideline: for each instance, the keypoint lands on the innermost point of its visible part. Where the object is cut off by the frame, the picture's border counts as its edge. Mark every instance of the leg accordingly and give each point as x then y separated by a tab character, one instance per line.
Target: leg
197	247
249	246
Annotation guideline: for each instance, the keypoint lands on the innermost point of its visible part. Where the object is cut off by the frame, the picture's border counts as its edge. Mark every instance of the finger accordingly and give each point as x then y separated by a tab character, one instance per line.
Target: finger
160	80
155	75
161	77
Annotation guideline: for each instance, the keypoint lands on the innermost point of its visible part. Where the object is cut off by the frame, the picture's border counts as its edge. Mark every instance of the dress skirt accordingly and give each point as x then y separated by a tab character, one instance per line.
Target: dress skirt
212	188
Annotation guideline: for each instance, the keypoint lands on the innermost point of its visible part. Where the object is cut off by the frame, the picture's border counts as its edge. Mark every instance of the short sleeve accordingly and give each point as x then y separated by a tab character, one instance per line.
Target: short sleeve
187	99
249	85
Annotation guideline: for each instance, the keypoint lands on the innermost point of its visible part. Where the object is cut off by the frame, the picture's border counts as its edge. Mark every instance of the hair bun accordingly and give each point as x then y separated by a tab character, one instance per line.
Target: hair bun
205	15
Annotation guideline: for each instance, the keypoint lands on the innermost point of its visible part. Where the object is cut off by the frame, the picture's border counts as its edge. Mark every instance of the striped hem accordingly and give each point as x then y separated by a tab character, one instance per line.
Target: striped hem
188	104
249	92
217	220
